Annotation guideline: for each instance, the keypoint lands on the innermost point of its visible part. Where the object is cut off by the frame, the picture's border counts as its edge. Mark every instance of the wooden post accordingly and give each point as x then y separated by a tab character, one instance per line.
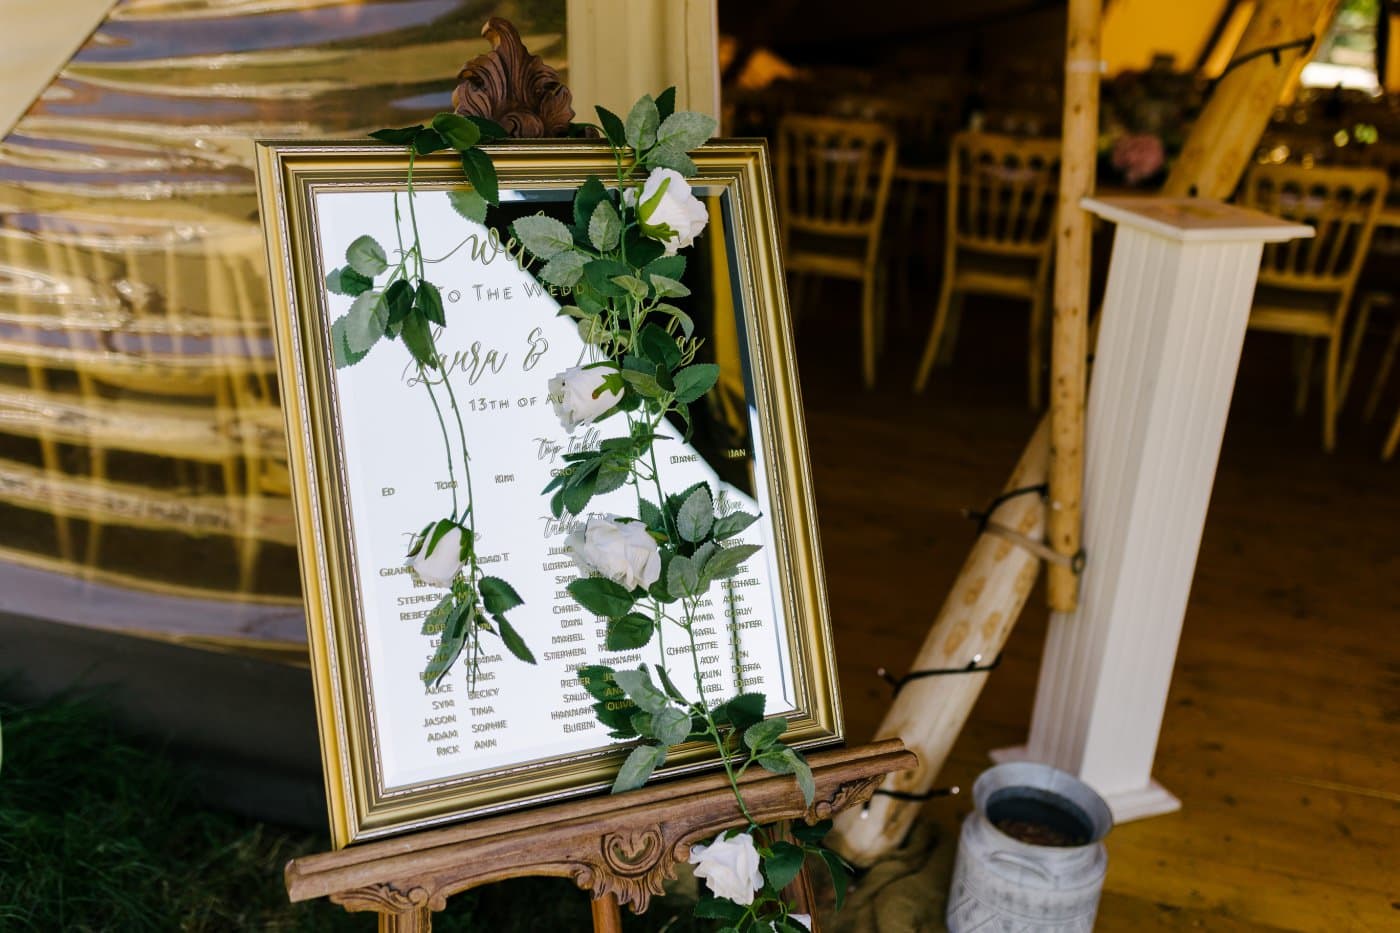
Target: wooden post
975	619
1224	137
607	914
1069	348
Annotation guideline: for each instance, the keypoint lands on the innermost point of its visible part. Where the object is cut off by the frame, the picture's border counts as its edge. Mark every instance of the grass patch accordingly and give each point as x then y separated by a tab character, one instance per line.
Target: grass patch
99	831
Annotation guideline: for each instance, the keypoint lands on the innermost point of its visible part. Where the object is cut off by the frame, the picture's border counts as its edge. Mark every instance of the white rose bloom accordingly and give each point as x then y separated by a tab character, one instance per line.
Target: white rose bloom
439	566
571	393
621	551
729	867
804	919
678	208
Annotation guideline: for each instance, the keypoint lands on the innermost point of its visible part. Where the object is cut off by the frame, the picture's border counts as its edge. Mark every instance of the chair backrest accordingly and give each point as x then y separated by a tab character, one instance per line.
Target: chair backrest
834	175
1002	192
1341	204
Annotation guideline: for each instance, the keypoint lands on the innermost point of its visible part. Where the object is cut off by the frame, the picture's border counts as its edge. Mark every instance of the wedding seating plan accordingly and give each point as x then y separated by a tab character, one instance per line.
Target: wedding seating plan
407	743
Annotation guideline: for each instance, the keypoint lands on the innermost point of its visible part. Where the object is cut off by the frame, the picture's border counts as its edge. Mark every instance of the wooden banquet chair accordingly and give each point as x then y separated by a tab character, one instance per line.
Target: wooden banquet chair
1305	286
833	186
1001	224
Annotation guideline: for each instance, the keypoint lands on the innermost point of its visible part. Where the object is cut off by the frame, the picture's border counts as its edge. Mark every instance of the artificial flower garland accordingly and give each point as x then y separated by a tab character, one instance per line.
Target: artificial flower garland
620	262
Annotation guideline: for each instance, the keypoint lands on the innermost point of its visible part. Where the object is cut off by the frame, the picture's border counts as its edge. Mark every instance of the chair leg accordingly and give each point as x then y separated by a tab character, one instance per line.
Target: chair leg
1302	361
868	328
1393	440
1363	319
1329	393
799	294
935	334
950	331
1382	374
1035	363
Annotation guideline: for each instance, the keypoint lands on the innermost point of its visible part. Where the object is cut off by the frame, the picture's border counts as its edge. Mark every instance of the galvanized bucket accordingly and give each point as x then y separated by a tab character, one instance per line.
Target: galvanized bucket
1049	879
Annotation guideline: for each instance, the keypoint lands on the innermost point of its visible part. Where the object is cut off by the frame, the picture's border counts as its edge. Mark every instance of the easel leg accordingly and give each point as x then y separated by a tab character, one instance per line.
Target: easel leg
418	920
607	915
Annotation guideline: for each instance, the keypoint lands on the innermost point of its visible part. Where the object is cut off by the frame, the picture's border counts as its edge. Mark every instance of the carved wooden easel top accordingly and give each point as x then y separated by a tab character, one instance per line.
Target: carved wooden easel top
620	848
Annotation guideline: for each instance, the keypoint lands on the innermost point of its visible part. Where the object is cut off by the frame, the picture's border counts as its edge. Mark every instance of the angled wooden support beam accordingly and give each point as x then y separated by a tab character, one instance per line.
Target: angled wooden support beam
1224	137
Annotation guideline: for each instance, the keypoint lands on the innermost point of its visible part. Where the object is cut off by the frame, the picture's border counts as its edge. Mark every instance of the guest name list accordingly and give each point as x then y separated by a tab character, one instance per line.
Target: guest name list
502	344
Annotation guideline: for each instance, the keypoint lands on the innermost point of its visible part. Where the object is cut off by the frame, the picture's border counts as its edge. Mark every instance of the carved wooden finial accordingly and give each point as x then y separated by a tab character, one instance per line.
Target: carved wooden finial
514	88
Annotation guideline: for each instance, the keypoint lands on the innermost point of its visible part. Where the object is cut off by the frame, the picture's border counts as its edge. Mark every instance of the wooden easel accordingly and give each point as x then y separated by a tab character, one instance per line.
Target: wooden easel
620	848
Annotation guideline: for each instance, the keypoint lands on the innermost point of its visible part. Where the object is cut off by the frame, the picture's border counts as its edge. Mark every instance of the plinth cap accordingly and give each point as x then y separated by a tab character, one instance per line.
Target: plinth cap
1196	219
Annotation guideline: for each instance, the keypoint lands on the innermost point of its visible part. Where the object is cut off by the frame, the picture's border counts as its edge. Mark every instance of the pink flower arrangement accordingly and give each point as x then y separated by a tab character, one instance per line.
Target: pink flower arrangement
1139	156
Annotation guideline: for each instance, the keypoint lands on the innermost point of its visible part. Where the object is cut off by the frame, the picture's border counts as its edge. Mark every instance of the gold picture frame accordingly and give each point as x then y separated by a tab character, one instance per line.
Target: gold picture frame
379	779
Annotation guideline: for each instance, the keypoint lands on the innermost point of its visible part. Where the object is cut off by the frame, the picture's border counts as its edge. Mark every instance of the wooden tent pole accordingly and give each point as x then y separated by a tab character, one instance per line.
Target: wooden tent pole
1069	348
1224	137
971	627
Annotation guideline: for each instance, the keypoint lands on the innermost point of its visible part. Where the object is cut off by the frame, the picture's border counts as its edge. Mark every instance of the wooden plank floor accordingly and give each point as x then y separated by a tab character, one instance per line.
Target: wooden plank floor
1282	733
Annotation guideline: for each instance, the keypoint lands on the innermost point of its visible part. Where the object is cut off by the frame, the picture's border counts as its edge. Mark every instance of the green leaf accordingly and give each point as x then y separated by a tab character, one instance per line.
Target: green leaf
639	688
810	834
671	726
783	865
840	874
669	685
590	194
631	631
641	249
745	710
686	130
450	645
683	577
668	156
638	767
680	317
436	620
673	267
469	203
457	131
597	680
651	515
497	595
543	236
697	516
642	123
419	340
366	256
340	347
399	137
728	526
564	270
718	908
427	141
613	129
604	227
805	782
659	346
601	596
644	383
761	736
694	381
512	640
726	560
429	301
489	129
481	172
666	102
365	322
346	281
667	287
398	298
631	285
